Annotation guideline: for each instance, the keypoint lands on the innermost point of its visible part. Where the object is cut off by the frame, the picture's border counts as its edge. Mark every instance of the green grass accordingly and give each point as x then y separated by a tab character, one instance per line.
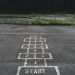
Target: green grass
35	19
52	22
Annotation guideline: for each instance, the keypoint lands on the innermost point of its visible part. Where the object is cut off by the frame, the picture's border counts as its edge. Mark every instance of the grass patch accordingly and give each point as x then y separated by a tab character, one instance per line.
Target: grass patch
51	22
35	19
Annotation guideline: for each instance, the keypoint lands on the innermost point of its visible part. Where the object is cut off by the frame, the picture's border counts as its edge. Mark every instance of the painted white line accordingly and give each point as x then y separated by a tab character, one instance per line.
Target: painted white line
39	66
50	55
27	52
32	58
37	53
43	52
46	46
24	40
34	44
45	62
28	46
32	41
25	62
32	48
42	48
19	55
18	72
57	70
35	62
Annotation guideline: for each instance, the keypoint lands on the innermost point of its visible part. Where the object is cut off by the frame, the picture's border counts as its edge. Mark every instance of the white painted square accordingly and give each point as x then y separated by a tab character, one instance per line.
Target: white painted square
21	67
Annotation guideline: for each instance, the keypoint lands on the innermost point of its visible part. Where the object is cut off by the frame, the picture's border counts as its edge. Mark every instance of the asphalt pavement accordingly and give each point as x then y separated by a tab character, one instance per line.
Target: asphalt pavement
60	41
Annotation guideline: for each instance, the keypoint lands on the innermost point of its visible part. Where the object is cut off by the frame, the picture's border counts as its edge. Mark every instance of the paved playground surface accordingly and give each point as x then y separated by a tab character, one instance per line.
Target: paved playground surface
37	50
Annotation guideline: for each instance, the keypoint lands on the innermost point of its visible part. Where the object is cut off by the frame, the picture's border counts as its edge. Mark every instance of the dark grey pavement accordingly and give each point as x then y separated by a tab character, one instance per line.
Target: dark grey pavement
60	40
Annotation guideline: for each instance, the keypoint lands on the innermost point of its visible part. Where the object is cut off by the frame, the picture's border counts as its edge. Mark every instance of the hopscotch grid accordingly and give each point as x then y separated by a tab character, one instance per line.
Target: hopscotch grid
42	40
